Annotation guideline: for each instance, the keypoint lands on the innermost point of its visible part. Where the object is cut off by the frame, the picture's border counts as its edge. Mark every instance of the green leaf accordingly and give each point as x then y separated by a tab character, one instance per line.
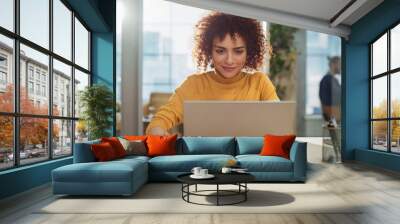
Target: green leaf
97	102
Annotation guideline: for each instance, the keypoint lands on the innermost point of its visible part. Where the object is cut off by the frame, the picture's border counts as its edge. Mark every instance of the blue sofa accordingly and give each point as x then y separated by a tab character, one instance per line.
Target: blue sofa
125	176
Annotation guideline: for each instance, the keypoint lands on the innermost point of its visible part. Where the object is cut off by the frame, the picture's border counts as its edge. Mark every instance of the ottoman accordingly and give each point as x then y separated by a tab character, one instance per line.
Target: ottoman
118	177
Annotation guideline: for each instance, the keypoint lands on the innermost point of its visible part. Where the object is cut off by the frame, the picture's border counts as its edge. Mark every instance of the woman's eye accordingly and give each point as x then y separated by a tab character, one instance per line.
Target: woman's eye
239	52
219	51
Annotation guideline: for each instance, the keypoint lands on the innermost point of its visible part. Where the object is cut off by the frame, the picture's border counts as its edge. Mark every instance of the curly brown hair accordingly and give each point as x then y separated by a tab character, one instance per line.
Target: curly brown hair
217	24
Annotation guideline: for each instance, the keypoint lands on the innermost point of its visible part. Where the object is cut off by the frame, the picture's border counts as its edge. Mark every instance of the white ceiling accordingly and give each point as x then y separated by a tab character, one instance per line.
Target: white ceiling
316	15
319	9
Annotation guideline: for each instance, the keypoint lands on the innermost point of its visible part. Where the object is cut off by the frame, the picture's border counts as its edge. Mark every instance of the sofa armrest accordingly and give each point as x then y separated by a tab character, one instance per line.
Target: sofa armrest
83	152
298	155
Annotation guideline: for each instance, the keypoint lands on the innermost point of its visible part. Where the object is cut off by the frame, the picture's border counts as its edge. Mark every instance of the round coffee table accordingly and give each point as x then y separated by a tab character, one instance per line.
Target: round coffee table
238	179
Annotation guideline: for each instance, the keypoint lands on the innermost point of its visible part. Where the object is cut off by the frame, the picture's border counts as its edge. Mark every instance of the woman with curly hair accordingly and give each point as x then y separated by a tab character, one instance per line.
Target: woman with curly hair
234	48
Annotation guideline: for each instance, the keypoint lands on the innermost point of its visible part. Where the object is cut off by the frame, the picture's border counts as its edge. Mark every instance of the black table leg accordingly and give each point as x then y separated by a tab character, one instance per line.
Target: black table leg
182	189
217	194
242	191
245	193
188	189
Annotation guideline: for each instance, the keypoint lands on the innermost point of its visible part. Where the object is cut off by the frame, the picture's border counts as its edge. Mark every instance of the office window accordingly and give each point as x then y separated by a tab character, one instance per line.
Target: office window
395	94
167	44
319	46
385	97
50	135
81	45
56	111
40	63
34	146
62	73
81	81
3	72
6	85
62	137
3	82
3	77
6	142
379	98
30	73
37	75
395	47
62	29
30	87
37	89
35	21
7	14
3	61
44	91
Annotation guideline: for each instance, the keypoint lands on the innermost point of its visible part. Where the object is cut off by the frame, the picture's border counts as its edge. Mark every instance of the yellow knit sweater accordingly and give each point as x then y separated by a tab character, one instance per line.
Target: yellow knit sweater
212	86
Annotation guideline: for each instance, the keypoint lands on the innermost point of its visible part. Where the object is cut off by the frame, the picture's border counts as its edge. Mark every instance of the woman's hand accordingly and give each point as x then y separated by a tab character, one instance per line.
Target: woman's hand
158	131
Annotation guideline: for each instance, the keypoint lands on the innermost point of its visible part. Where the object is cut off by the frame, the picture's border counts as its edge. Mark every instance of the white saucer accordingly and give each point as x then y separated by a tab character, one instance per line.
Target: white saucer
208	176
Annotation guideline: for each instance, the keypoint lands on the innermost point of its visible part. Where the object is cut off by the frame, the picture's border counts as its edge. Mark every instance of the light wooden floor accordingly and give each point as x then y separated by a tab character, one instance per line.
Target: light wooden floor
379	189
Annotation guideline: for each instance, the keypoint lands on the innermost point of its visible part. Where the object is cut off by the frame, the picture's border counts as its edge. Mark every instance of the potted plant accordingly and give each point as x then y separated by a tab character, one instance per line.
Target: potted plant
96	102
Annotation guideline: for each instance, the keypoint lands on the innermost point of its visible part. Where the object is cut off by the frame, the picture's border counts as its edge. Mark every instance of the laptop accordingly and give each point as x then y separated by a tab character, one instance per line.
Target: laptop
239	118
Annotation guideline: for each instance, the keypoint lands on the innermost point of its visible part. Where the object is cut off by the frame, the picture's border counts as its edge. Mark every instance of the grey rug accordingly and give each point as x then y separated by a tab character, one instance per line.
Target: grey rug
166	198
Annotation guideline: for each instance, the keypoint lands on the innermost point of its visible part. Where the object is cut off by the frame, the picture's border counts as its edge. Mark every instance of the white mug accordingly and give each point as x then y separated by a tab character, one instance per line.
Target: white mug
196	170
226	170
203	172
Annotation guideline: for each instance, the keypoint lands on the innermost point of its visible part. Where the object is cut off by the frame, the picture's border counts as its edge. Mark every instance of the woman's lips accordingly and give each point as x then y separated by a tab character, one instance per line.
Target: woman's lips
229	68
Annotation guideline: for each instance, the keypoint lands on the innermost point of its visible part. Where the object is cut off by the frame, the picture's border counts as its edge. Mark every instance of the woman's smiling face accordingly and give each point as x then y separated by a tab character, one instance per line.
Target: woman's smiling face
229	55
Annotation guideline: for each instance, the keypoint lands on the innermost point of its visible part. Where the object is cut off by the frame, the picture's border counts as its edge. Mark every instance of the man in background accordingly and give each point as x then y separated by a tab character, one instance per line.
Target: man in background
330	96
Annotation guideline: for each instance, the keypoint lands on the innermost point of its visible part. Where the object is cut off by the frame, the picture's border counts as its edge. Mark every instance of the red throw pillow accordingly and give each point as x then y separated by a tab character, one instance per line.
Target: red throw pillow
116	145
277	145
103	151
161	145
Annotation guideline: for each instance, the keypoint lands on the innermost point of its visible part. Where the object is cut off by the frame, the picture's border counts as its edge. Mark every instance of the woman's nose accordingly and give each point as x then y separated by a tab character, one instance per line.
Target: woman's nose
229	58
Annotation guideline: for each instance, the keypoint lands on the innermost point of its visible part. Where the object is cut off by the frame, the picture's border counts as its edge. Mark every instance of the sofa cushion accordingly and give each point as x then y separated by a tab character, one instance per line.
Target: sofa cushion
249	145
185	163
257	163
277	145
116	145
83	152
142	138
103	152
207	145
134	147
111	171
133	158
161	145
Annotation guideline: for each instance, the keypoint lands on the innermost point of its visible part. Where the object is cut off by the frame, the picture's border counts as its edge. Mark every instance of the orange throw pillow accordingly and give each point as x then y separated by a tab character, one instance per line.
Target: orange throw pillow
116	145
277	145
103	152
161	145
